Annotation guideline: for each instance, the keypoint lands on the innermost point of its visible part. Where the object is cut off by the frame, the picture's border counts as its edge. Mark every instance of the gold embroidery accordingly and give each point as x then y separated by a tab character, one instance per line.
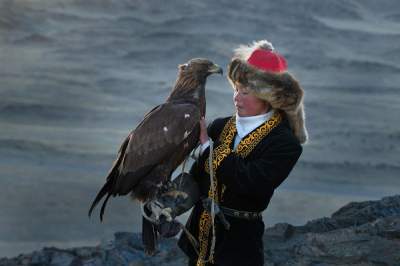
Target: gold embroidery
223	150
219	154
203	236
244	148
248	144
229	130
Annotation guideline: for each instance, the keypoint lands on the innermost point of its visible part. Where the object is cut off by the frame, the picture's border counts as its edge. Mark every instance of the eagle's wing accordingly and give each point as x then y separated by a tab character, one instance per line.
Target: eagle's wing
157	137
154	140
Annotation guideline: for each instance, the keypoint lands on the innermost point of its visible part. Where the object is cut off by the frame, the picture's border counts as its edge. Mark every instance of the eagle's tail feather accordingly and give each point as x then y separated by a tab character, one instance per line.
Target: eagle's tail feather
103	207
104	190
111	179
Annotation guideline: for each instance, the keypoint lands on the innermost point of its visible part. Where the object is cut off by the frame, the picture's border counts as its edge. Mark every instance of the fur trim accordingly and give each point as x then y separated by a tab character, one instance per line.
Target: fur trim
244	51
298	125
281	90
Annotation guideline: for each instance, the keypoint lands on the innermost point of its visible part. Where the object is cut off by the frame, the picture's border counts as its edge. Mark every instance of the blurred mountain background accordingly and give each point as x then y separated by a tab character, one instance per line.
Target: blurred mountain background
77	75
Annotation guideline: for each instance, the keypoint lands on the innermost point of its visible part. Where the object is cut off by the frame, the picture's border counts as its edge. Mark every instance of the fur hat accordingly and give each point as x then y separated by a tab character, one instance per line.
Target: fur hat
264	71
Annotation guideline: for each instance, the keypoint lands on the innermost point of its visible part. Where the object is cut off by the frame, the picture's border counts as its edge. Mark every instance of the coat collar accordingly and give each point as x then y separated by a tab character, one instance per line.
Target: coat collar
246	124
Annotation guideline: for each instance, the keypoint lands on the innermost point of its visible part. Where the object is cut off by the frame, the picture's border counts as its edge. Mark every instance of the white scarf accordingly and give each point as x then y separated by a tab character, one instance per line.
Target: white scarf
246	124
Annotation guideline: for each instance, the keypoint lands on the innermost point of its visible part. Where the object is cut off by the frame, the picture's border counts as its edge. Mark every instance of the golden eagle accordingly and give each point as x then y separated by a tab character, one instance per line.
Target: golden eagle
162	140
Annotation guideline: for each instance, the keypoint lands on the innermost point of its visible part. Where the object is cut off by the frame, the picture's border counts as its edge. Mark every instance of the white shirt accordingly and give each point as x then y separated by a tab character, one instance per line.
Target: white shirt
244	125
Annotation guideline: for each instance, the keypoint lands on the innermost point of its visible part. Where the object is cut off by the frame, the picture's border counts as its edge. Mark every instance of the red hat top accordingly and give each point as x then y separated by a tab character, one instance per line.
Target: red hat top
266	60
262	56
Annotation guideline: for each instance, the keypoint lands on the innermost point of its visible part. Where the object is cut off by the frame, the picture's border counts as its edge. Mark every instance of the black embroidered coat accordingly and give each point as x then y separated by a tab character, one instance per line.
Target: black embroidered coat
245	180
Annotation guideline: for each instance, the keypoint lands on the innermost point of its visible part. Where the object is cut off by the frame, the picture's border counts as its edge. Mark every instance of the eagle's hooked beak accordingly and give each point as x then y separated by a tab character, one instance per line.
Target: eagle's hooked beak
214	69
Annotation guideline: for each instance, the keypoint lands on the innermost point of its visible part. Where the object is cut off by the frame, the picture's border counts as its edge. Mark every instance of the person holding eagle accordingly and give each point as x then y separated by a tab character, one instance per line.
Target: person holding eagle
253	152
242	160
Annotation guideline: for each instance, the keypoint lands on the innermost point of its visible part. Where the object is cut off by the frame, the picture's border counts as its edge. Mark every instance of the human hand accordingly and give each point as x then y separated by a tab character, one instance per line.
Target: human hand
203	131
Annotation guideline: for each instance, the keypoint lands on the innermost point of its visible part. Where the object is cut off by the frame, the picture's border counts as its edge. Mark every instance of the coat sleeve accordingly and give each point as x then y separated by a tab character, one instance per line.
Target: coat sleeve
267	172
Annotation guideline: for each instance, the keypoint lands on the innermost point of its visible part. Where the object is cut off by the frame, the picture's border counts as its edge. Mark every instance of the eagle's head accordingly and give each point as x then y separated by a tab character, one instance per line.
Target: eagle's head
199	68
192	78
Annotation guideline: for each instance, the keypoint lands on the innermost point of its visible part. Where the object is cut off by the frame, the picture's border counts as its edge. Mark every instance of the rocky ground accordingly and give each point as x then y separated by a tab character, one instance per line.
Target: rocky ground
360	233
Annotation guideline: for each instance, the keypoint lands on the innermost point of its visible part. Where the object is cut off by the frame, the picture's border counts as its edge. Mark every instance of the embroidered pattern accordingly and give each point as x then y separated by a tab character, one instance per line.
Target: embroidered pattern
220	153
204	232
244	148
248	144
223	150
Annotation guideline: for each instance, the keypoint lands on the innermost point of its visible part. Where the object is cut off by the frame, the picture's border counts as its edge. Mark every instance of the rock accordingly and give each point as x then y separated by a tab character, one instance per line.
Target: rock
85	252
129	239
358	234
281	231
354	214
61	258
365	233
40	258
91	262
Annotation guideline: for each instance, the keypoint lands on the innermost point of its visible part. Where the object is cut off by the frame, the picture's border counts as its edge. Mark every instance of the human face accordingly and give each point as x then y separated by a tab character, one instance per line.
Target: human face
246	103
